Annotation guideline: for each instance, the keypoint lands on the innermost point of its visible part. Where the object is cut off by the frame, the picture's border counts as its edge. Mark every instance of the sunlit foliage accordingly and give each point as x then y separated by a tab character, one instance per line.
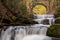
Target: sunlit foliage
39	9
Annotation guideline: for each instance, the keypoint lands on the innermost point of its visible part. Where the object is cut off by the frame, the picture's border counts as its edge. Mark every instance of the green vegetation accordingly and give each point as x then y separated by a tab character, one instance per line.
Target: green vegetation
54	30
16	13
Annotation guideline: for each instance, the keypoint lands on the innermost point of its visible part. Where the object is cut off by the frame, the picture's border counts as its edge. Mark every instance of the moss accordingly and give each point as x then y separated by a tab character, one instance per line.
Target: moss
54	30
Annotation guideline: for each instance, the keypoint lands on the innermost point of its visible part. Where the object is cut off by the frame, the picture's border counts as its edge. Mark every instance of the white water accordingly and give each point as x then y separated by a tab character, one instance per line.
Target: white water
41	18
7	34
20	33
36	37
33	32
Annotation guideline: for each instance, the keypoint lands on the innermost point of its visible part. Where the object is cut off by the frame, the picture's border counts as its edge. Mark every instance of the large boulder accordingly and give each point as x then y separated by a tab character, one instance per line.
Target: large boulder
54	30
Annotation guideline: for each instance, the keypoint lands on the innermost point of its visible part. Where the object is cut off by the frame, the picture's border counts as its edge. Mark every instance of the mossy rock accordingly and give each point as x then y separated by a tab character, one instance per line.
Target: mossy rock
54	31
57	21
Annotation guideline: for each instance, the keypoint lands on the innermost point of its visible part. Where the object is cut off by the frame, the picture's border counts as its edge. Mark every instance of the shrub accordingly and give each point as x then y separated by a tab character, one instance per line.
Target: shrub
54	30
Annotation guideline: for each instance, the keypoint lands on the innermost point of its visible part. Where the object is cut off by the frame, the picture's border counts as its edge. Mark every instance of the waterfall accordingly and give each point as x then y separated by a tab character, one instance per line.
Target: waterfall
44	21
20	32
31	32
5	35
13	33
38	31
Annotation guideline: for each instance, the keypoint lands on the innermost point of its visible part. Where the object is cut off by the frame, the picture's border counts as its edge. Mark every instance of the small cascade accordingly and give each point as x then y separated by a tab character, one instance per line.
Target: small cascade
5	35
43	31
42	18
44	21
20	32
13	33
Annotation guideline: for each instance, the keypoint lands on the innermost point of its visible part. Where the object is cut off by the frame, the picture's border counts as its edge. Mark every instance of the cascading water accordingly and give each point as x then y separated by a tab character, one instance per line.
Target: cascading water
32	32
13	33
36	37
20	33
39	30
5	35
44	22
